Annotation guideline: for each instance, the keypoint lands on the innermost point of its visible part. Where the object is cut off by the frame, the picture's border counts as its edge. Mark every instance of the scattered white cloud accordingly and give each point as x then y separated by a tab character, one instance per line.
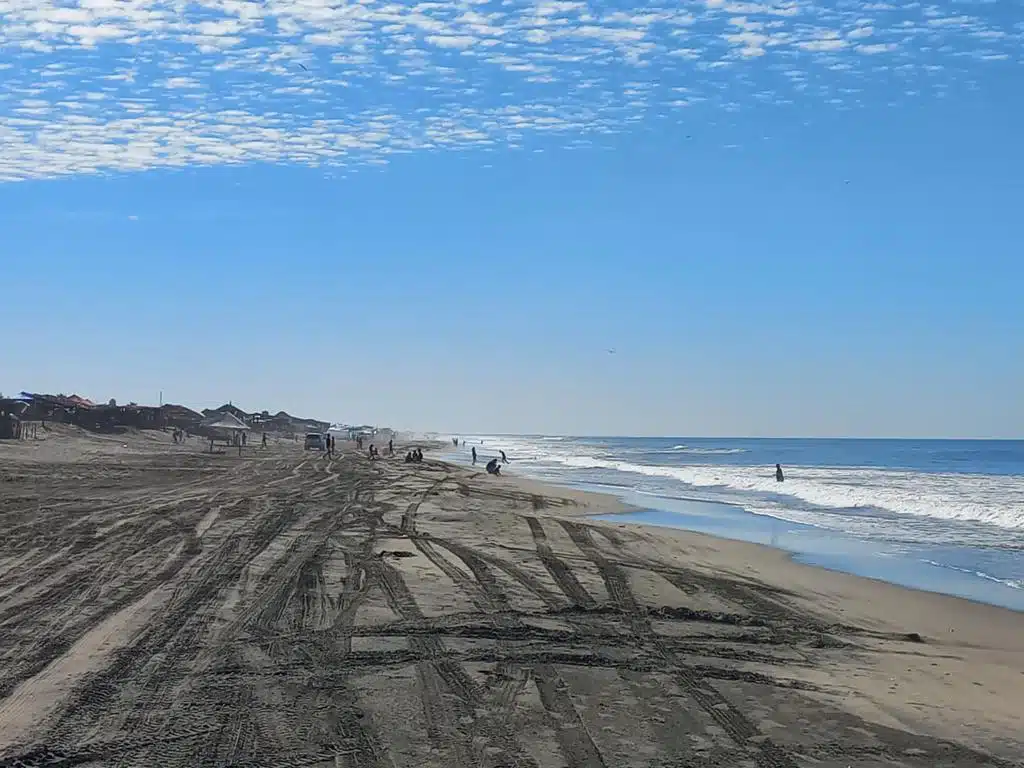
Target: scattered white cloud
94	86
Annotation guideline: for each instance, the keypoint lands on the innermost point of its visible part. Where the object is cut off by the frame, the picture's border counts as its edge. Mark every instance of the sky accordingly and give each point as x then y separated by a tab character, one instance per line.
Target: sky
594	218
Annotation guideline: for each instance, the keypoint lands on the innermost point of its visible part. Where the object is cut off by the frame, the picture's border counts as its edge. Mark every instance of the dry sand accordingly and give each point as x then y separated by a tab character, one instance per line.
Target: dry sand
162	607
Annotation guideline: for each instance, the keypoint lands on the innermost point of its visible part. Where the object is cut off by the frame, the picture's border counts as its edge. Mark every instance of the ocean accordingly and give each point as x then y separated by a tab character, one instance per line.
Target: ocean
943	515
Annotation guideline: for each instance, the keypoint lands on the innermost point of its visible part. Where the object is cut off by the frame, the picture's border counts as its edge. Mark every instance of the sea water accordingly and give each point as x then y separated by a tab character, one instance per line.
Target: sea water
944	515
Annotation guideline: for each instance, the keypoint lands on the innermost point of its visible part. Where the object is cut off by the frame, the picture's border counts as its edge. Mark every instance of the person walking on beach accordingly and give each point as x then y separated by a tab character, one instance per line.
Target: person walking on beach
474	454
391	447
779	477
504	458
264	445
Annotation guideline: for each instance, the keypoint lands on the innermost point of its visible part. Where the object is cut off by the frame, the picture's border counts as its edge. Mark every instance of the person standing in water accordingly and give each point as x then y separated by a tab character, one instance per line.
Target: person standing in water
474	454
779	477
504	458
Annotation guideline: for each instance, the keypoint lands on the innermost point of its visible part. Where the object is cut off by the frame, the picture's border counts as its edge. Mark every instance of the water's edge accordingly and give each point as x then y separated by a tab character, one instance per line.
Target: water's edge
806	544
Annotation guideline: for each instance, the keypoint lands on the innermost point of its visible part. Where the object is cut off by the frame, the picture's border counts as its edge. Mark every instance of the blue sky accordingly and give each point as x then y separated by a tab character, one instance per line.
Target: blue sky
785	218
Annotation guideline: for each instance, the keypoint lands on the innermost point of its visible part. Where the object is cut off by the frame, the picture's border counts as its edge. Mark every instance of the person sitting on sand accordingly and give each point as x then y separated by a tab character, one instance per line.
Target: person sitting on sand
493	468
779	477
408	458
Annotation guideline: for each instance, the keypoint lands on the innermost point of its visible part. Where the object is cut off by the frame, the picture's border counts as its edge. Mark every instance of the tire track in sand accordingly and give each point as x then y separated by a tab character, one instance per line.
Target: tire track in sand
560	572
744	733
577	746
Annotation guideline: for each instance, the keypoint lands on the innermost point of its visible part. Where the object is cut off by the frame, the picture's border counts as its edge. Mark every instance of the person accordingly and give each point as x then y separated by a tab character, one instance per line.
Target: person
391	447
408	458
474	454
493	468
504	458
779	477
264	440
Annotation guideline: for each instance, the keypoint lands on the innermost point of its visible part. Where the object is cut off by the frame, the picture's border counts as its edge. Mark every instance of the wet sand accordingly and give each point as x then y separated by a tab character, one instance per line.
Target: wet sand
164	607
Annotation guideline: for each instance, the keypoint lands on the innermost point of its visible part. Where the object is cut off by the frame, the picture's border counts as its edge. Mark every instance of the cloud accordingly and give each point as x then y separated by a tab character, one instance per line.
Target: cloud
95	86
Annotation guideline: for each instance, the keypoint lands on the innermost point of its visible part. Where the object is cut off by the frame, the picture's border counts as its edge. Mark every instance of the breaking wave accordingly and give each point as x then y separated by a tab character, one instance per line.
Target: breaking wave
706	451
995	500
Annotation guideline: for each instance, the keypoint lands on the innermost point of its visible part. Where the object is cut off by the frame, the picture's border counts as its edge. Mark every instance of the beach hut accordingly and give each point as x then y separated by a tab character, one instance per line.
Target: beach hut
224	426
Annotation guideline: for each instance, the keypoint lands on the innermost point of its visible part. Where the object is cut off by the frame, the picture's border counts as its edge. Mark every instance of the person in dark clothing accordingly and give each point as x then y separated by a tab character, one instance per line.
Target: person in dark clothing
264	440
779	477
474	454
504	458
493	468
391	447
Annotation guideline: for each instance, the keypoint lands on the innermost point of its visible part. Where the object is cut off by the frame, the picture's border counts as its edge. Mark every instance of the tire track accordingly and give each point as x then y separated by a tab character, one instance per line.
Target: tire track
560	572
171	643
744	733
485	739
578	747
409	518
614	577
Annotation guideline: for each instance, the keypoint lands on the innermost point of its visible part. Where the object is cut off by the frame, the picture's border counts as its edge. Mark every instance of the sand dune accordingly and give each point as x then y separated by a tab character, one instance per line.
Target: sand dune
162	607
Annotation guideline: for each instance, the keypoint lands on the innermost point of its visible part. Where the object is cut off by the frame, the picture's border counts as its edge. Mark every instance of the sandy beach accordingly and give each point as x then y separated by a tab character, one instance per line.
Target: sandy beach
164	607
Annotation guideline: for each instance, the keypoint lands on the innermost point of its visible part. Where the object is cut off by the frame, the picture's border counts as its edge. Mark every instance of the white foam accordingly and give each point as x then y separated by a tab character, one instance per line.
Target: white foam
1012	583
706	451
997	500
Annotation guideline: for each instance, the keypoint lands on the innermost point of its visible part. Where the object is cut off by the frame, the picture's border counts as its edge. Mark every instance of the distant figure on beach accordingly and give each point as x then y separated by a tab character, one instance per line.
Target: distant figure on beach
391	447
408	458
474	454
504	458
493	468
264	444
779	477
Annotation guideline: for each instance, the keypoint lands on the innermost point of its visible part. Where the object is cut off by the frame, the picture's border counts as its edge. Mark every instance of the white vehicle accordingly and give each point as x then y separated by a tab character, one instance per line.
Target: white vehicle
314	442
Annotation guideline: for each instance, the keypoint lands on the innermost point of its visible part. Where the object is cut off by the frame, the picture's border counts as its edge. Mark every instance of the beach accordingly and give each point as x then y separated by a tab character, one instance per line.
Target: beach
164	606
944	516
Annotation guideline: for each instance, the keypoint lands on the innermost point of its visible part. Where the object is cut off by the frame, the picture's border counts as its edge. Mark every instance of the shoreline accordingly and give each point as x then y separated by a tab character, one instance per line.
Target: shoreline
281	607
940	621
803	544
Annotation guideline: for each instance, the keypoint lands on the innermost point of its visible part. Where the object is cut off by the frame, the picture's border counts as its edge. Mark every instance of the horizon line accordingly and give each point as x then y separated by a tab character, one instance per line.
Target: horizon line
727	437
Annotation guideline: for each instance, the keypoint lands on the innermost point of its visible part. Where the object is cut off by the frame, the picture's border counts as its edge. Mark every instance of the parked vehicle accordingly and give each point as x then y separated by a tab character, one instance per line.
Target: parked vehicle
314	442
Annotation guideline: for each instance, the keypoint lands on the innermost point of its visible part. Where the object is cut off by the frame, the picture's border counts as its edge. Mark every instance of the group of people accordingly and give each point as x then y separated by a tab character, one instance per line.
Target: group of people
504	458
373	453
179	435
415	456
